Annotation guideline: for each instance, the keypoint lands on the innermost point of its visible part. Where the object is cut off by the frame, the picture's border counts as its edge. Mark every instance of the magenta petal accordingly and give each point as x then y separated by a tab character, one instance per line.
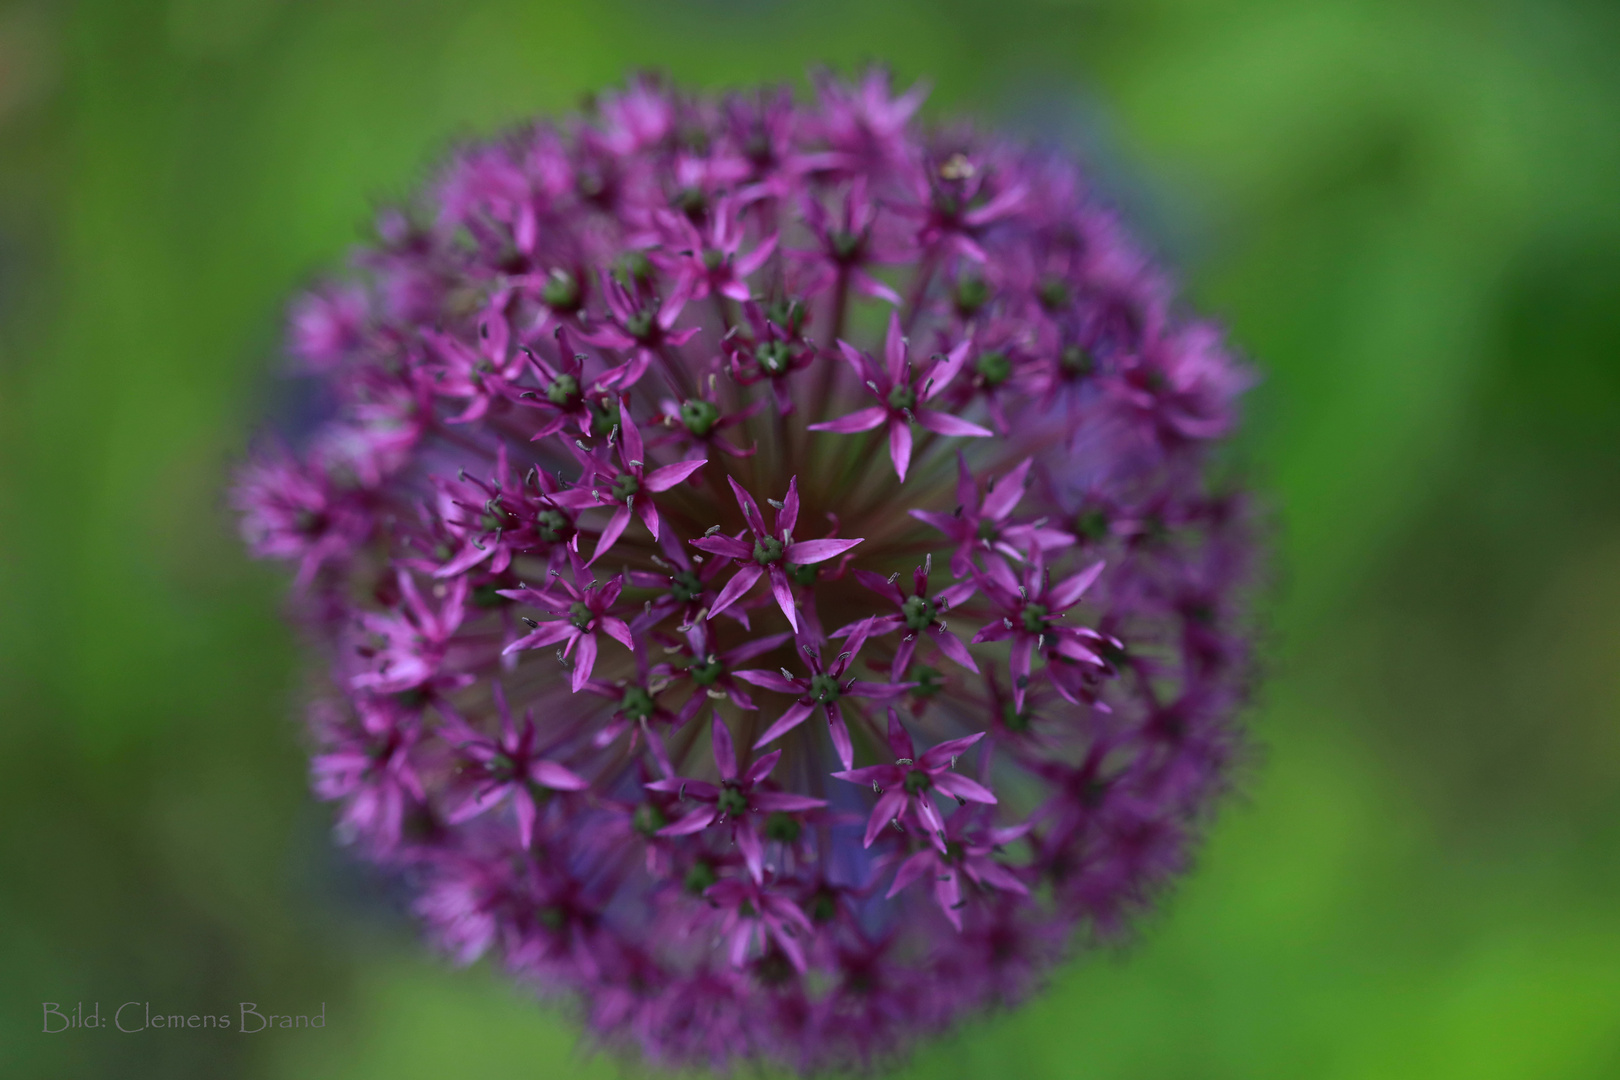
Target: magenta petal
557	777
696	821
740	583
770	680
667	477
753	852
725	755
960	787
1068	592
610	535
760	769
547	634
910	870
860	420
900	447
888	807
619	631
840	735
796	714
523	805
725	546
774	801
584	660
946	424
783	592
810	552
1001	498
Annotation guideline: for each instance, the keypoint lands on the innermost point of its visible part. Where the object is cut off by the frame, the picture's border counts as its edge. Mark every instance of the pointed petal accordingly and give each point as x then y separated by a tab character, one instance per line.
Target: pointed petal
584	660
761	768
946	424
1001	499
610	535
1068	592
696	821
960	787
557	777
750	508
860	420
740	583
894	347
951	646
809	552
888	807
796	714
900	446
725	755
840	735
662	479
523	804
783	591
910	870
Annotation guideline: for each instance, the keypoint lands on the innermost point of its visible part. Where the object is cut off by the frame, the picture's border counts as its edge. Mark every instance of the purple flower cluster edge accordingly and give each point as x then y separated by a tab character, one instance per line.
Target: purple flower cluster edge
777	583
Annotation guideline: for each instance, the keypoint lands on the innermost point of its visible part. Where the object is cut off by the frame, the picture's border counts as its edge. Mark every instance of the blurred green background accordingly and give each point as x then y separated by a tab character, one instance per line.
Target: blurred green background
1409	214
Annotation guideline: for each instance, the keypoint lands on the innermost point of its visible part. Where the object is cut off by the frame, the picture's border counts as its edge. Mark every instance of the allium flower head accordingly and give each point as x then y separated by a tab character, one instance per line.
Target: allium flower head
770	565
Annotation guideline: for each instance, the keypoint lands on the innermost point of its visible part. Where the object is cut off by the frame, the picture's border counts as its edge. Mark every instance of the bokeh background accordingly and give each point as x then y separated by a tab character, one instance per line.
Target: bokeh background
1407	211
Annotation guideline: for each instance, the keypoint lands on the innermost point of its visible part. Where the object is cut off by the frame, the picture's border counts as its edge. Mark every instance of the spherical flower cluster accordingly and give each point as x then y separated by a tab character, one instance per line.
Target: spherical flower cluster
776	584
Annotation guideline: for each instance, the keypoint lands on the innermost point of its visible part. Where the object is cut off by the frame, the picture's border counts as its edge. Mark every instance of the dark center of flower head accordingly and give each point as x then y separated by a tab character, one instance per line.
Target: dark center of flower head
918	613
563	391
988	530
700	877
972	293
488	595
731	801
773	357
648	819
902	398
691	201
699	416
550	524
993	367
1054	293
787	312
1035	620
846	245
640	325
501	768
1075	361
604	417
707	672
824	689
917	781
685	586
929	680
633	267
782	827
552	916
625	486
309	522
1016	720
561	291
1092	524
580	615
768	550
713	259
637	704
